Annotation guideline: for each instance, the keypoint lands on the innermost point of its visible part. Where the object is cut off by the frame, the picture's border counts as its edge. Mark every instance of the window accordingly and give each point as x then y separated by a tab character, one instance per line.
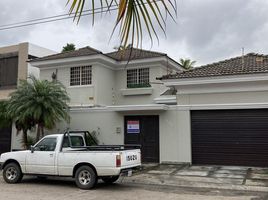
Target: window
138	78
81	75
47	144
8	71
77	141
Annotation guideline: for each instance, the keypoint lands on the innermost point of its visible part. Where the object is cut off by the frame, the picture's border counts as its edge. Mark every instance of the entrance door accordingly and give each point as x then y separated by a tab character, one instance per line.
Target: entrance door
5	139
144	130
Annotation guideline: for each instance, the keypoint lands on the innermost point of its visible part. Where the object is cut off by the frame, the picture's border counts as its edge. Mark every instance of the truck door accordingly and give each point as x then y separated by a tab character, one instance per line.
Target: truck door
42	160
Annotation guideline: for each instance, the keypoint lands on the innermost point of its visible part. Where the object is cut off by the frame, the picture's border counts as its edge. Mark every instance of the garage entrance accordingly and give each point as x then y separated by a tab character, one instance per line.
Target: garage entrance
144	130
230	137
5	139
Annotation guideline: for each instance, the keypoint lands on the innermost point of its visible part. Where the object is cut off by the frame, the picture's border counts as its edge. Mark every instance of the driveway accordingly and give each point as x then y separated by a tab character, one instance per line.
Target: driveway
33	189
159	182
216	177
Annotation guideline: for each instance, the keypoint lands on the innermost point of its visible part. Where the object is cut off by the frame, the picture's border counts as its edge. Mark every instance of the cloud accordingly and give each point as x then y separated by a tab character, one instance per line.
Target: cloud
205	31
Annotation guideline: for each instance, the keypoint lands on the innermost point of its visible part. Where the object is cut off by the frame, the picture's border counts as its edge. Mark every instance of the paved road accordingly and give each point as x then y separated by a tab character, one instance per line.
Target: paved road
32	189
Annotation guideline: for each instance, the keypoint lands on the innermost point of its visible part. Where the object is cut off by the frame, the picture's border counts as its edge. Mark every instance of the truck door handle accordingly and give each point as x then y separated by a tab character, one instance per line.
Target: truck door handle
51	155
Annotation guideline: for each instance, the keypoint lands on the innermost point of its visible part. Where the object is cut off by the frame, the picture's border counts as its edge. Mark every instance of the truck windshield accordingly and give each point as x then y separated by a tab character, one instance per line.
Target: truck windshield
77	141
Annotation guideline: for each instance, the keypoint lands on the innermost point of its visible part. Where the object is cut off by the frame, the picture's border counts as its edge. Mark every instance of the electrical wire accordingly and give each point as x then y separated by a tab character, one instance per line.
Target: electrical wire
53	20
58	17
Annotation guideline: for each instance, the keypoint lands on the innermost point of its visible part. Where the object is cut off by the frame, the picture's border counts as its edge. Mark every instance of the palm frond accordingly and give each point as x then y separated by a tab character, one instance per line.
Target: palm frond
133	16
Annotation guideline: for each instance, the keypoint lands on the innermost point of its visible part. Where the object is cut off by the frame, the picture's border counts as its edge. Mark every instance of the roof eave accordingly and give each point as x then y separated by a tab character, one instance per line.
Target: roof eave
217	79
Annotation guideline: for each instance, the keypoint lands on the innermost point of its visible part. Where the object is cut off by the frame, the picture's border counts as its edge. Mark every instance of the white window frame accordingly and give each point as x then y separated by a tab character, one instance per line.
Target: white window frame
138	78
75	81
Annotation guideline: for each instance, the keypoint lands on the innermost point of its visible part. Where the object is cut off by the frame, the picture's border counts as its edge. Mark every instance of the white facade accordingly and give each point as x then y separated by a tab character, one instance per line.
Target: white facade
230	92
102	106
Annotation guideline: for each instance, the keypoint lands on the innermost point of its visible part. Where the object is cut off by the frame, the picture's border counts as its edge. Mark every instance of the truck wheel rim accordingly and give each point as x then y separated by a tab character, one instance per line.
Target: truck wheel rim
84	177
11	173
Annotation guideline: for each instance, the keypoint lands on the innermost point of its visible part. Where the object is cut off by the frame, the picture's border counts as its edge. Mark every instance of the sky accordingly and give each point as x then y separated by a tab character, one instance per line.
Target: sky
205	30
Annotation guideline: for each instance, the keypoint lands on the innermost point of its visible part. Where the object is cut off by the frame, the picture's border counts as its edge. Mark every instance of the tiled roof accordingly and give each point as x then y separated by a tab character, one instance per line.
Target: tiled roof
249	64
121	55
133	54
86	51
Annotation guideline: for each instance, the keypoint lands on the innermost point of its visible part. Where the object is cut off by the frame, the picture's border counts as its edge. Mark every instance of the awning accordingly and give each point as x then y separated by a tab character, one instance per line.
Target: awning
148	107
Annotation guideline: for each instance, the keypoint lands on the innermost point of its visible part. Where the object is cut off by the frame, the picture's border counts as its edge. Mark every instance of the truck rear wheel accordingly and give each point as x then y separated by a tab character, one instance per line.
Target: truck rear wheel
12	173
110	179
85	177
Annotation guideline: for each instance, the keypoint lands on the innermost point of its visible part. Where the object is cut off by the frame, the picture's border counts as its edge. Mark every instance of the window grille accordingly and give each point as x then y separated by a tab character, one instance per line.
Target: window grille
138	78
81	75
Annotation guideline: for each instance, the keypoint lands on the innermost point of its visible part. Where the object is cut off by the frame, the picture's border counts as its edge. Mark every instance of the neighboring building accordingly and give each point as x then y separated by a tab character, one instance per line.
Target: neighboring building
14	67
222	113
117	95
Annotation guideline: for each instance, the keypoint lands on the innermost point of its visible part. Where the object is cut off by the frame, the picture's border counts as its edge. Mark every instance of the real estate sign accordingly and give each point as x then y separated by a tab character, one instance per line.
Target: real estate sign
133	126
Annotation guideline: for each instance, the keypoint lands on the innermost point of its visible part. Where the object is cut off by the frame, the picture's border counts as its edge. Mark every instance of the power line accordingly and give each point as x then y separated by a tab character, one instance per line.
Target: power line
59	17
50	19
55	16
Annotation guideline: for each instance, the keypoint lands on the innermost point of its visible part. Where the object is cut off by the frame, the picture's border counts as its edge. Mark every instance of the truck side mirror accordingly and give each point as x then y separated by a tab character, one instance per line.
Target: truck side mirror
32	149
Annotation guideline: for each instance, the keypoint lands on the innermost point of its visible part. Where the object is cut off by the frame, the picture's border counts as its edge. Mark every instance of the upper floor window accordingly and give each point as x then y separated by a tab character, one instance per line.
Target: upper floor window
8	70
138	78
81	75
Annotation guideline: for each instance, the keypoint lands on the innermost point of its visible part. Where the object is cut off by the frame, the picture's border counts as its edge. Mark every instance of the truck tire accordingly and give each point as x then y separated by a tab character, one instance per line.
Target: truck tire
85	177
12	173
110	179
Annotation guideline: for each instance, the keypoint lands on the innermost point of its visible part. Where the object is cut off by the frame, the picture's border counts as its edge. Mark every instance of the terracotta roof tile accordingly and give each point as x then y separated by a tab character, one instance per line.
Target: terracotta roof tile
86	51
133	54
249	64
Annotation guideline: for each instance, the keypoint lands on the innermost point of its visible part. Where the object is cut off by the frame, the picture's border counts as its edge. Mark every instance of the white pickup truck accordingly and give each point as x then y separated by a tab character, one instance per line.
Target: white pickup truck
69	155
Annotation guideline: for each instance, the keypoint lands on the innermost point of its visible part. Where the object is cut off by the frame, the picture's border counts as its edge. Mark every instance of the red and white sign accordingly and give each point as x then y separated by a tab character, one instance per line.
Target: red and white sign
133	126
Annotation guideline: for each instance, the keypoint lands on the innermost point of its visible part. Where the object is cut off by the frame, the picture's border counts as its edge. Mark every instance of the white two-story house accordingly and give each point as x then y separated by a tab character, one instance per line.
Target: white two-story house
117	95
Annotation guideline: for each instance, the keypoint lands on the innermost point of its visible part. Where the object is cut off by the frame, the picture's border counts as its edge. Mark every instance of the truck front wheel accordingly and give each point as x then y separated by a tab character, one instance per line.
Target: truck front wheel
110	179
12	173
85	177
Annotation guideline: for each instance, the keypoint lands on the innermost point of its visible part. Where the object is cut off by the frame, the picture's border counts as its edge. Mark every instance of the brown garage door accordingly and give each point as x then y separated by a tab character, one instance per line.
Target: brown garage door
5	139
230	137
144	130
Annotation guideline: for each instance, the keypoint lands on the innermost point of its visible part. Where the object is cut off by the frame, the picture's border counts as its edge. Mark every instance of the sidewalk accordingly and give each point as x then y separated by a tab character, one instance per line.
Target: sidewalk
214	177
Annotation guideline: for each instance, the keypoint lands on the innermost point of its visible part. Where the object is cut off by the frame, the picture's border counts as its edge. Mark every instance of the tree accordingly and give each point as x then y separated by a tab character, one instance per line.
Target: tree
68	47
38	102
5	120
187	63
133	16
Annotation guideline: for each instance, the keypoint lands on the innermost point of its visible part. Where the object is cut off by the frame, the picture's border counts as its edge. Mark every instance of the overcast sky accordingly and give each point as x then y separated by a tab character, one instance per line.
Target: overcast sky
206	30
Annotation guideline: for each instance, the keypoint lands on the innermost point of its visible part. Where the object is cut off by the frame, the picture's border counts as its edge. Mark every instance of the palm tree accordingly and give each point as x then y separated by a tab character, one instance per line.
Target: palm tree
187	63
68	47
38	102
5	120
133	16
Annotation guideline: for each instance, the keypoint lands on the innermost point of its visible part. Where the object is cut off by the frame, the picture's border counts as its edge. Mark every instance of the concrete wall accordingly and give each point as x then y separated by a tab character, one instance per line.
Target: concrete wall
175	136
223	98
175	140
99	93
106	86
24	69
121	83
104	83
22	50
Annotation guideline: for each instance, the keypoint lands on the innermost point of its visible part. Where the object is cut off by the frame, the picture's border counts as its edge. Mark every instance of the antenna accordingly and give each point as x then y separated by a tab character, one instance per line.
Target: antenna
243	60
